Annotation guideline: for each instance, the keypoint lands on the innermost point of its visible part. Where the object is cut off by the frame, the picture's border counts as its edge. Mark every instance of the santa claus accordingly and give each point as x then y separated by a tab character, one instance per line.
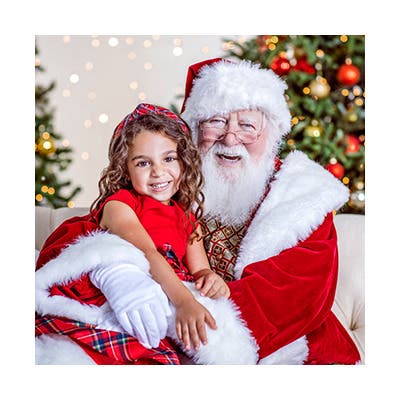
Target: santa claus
268	231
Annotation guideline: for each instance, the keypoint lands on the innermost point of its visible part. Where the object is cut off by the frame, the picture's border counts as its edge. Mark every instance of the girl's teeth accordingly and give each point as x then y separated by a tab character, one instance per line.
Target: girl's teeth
159	185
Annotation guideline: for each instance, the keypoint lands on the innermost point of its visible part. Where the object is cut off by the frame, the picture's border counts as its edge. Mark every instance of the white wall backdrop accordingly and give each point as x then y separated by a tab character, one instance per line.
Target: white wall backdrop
100	79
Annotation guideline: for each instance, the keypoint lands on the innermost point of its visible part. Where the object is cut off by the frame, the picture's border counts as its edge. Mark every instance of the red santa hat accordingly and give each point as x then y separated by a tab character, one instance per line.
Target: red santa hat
220	86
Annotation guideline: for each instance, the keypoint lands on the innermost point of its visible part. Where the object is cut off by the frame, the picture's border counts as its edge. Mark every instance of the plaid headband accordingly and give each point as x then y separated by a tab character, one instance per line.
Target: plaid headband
143	109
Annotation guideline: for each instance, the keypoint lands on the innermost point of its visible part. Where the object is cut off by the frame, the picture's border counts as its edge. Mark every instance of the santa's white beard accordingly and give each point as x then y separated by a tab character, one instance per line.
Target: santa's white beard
231	194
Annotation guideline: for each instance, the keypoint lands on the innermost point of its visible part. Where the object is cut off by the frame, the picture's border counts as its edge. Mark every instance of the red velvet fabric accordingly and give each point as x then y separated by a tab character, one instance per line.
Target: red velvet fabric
291	295
81	290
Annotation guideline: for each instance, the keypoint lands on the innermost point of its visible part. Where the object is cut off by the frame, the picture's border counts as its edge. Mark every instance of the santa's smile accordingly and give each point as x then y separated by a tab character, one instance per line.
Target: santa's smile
228	159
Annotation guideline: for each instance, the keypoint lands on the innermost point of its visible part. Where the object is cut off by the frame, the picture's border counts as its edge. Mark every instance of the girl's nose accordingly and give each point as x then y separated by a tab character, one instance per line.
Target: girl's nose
156	170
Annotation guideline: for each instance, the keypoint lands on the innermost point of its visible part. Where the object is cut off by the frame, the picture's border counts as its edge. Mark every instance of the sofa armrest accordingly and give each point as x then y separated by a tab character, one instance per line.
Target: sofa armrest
47	219
349	305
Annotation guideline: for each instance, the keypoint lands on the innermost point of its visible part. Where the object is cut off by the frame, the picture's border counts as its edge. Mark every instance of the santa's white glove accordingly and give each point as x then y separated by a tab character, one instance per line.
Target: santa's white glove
139	303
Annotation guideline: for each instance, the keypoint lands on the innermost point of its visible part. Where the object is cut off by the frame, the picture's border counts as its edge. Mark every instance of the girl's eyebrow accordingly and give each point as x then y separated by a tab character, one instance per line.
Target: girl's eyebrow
166	152
170	151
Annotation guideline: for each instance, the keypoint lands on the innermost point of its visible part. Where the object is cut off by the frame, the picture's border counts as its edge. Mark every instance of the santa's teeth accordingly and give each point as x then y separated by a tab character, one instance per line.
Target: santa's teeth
229	157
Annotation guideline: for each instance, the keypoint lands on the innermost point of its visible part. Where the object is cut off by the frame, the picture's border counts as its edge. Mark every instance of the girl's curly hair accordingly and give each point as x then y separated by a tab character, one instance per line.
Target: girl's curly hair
116	176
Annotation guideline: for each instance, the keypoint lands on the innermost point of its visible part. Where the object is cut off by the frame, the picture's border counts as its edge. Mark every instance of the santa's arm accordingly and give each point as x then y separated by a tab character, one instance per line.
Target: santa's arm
289	295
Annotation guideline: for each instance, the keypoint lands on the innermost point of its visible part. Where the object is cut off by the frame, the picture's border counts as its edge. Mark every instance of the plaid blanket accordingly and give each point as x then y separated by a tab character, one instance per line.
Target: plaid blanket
107	347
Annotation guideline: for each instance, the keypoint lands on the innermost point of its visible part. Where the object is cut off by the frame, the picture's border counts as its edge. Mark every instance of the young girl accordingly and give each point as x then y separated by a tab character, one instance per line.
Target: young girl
146	196
92	283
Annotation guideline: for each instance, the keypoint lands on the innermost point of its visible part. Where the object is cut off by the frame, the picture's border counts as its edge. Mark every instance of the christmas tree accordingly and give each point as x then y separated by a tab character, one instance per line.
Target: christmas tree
325	78
52	154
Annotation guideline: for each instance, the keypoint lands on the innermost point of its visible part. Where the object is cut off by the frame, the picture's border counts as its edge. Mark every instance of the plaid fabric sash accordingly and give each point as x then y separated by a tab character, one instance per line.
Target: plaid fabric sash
116	347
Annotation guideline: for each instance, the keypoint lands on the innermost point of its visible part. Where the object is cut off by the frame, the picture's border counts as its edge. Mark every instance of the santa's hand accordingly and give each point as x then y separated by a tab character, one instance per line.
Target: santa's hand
139	303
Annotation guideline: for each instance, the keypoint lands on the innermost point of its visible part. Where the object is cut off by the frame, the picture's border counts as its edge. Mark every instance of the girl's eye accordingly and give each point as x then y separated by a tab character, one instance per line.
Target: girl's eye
170	159
142	163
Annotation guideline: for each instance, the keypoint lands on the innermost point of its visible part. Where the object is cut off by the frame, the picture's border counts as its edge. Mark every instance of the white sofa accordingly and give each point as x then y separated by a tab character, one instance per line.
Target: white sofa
349	305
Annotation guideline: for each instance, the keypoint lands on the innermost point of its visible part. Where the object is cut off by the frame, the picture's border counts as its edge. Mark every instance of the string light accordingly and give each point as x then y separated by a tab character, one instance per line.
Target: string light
131	55
113	42
148	66
85	155
103	118
177	51
89	66
95	42
228	46
74	78
133	85
147	43
66	93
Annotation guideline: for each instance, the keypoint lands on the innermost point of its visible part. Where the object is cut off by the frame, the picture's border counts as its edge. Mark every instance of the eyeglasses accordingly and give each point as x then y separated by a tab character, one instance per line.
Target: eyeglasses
248	129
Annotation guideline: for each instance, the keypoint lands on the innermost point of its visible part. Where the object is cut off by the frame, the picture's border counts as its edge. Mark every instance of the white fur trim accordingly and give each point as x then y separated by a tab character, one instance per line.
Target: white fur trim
59	350
232	343
78	258
300	197
294	353
223	87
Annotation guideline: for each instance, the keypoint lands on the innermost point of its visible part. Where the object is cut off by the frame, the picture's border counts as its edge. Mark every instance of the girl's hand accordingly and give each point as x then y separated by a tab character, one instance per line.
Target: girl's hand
210	284
191	318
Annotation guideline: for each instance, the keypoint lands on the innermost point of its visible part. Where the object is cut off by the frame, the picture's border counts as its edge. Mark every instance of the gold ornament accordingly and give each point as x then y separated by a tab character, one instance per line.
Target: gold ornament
319	87
46	146
351	116
313	131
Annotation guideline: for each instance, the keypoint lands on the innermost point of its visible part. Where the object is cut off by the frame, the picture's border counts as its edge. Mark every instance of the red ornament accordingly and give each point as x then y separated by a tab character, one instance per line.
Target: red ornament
348	74
303	65
336	169
280	65
353	144
262	41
